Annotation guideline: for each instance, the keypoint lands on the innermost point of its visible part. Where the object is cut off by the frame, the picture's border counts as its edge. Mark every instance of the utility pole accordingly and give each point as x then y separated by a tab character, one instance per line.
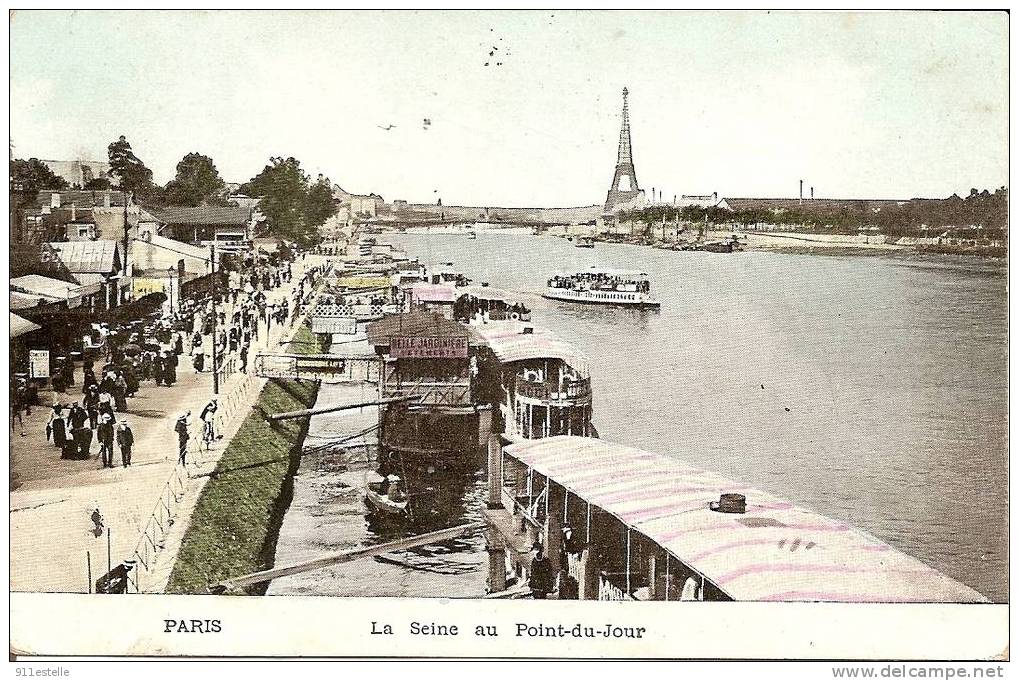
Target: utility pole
212	286
125	232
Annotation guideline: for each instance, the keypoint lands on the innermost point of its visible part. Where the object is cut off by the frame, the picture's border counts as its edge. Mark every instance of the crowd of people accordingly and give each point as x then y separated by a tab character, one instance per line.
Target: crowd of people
118	358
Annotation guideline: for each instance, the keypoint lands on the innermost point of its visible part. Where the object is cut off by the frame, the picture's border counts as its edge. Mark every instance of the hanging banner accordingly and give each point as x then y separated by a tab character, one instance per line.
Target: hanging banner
433	347
39	363
344	325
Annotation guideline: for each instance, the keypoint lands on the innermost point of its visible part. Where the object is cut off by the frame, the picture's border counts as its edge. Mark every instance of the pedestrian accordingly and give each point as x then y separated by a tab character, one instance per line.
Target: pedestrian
170	368
157	368
199	361
88	379
105	435
120	392
244	358
57	426
178	345
83	437
68	370
540	579
91	401
567	588
131	378
181	428
208	417
125	440
16	411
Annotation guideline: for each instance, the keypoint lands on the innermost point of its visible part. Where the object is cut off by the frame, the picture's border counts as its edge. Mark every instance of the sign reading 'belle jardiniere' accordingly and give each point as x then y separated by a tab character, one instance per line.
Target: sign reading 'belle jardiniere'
441	347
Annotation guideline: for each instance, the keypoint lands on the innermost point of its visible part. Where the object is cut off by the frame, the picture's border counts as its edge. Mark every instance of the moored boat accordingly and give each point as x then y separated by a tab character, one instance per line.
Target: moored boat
583	242
386	496
602	286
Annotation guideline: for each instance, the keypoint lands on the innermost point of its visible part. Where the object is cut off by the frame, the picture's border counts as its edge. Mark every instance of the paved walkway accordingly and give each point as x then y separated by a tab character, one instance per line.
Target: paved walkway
53	538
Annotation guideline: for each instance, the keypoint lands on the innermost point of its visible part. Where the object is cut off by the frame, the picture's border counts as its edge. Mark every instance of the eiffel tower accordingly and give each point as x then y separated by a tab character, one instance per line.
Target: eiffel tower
624	188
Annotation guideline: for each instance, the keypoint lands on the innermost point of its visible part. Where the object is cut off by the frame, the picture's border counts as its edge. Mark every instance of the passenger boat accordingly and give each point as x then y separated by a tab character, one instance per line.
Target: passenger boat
472	234
602	287
376	496
584	243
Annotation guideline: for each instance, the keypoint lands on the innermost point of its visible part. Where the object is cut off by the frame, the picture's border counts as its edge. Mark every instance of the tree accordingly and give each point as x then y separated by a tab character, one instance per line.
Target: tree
197	182
128	168
292	209
319	205
32	176
97	184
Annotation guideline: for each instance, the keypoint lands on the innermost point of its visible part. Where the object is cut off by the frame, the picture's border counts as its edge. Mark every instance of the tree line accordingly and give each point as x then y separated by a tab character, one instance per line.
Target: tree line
981	213
291	205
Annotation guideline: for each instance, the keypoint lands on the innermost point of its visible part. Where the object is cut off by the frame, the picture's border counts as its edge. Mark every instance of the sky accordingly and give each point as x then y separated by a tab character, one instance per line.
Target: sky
858	105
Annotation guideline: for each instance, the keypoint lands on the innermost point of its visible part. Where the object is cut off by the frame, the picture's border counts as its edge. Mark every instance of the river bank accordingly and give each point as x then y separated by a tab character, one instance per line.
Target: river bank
808	243
236	521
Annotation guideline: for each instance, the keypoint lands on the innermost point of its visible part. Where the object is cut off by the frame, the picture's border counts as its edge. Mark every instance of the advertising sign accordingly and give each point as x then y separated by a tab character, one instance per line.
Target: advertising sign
39	363
433	347
345	325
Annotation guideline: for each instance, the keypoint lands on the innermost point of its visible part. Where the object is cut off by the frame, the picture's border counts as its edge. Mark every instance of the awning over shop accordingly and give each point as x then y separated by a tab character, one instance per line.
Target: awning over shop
45	287
775	551
20	326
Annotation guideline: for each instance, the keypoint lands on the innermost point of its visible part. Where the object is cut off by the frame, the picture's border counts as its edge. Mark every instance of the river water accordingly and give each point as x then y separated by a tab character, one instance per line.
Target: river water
870	388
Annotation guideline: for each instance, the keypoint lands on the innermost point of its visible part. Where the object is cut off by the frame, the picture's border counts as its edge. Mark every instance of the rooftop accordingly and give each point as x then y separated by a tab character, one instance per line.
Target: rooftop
88	256
509	343
417	324
776	551
202	215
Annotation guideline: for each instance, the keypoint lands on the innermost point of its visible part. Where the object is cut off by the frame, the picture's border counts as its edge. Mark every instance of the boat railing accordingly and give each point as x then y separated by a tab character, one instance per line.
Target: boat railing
551	392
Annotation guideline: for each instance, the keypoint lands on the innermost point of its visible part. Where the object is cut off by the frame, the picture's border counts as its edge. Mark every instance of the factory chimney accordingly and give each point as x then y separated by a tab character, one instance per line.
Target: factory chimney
801	191
811	193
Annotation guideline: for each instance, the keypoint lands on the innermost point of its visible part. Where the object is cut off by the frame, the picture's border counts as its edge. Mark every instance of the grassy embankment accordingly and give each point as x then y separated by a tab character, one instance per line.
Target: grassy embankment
236	522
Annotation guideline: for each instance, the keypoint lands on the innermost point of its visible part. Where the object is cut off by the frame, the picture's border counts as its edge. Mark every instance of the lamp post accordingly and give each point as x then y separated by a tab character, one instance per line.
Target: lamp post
170	270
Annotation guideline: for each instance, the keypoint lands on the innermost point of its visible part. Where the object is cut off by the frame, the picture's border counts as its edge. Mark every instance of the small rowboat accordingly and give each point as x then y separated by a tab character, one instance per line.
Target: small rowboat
381	503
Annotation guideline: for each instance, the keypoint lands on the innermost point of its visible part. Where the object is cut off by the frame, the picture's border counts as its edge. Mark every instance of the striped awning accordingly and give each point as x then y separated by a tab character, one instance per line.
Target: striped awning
775	551
510	344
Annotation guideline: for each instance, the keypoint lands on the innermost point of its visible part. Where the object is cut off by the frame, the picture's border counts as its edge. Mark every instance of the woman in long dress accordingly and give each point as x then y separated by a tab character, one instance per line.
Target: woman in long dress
57	426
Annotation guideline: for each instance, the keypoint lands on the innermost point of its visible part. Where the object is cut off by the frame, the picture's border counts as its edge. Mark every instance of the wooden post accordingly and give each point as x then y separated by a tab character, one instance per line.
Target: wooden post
494	471
668	575
88	566
496	562
109	552
627	561
653	577
553	530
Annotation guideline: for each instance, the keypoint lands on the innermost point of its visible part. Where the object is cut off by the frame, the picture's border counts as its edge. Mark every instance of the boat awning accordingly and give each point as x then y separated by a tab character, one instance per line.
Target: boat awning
488	293
608	271
20	326
433	293
510	344
776	551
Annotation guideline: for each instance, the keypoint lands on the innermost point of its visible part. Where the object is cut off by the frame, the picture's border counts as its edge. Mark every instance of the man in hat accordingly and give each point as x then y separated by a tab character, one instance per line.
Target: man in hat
105	434
541	576
181	428
125	440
